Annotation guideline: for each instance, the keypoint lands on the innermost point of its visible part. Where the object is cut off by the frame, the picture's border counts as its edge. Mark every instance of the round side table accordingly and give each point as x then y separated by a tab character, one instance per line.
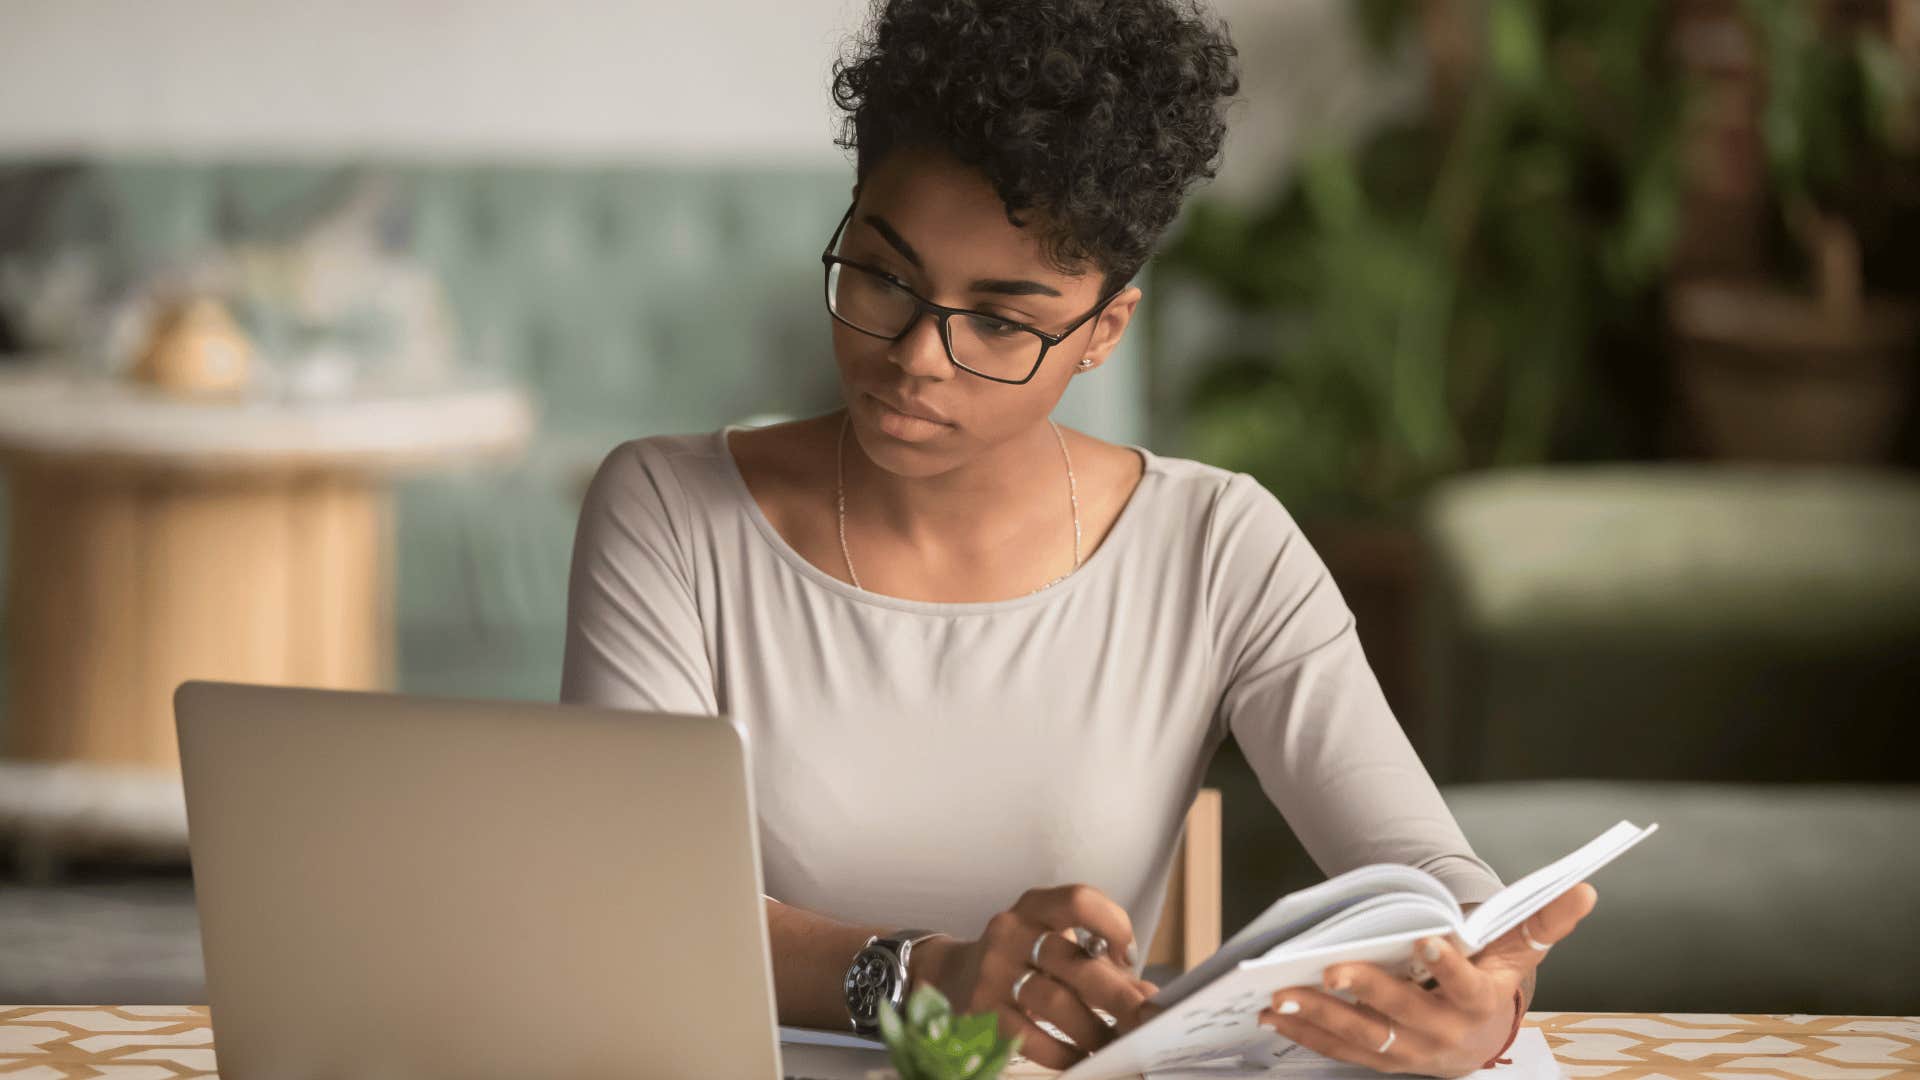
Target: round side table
155	539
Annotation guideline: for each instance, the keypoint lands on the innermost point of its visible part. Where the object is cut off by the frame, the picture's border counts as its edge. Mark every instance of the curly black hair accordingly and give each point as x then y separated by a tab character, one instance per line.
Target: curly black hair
1098	114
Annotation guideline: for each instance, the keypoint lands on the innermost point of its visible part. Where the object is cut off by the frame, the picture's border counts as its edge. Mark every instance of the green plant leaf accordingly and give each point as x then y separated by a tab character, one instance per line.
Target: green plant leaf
891	1029
925	1004
932	1043
1515	39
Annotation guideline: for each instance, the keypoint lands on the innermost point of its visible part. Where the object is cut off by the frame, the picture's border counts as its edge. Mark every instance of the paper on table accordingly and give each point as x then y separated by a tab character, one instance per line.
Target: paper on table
1531	1060
816	1037
812	1052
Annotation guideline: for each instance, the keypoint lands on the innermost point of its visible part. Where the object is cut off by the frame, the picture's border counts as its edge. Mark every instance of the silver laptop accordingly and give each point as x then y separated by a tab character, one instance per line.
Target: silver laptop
395	886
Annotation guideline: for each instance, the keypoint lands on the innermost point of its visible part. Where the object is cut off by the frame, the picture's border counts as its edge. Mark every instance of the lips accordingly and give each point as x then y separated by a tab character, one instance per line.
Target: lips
920	412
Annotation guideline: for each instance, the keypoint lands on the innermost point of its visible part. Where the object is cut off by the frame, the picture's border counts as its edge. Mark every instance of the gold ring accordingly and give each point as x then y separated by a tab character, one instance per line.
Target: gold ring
1537	947
1391	1035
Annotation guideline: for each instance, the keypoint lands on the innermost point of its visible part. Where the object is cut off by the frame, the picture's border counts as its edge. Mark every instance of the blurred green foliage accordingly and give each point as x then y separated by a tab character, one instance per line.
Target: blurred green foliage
1431	297
931	1043
1841	127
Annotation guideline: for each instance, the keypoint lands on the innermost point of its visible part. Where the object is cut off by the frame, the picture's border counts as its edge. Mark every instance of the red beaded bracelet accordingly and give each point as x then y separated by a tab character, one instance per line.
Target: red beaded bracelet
1519	1007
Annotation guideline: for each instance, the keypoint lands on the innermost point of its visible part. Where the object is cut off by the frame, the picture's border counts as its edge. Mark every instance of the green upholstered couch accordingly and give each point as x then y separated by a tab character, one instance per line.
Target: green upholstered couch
1731	652
631	299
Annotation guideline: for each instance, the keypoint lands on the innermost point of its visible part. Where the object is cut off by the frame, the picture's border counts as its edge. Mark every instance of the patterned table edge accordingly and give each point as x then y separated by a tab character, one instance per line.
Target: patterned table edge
1731	1046
163	1042
119	1042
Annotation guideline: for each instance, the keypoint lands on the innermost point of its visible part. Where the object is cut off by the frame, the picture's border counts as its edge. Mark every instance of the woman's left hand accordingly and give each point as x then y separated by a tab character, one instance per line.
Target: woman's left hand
1448	1031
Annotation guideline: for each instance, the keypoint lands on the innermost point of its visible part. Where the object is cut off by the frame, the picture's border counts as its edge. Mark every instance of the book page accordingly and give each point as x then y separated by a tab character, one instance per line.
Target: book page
1374	917
1300	911
1220	1020
1216	1020
1530	1057
1510	906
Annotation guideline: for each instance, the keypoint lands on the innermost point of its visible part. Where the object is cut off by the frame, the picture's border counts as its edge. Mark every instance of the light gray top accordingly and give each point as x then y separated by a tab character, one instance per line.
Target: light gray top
923	764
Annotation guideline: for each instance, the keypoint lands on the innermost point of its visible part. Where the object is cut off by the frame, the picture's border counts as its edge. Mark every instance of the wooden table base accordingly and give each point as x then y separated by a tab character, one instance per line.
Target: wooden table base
125	581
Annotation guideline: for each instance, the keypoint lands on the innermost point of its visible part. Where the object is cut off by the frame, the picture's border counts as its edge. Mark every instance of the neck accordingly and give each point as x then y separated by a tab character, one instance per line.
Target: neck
981	504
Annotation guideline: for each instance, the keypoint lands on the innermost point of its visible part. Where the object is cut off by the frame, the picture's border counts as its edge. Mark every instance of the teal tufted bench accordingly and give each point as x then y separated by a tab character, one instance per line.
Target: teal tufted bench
632	299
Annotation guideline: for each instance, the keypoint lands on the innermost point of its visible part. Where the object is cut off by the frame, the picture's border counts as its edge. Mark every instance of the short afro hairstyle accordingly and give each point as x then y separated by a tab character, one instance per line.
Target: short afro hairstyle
1098	114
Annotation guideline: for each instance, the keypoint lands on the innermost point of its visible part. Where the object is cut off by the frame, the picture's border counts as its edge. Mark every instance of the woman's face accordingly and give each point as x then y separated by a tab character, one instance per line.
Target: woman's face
937	226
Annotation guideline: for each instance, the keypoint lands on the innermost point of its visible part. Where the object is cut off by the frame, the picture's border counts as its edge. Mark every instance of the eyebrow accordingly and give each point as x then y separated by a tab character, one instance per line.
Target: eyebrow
1002	286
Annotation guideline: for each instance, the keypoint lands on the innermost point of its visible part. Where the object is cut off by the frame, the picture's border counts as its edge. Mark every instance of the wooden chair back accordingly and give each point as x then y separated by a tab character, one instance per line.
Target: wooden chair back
1189	930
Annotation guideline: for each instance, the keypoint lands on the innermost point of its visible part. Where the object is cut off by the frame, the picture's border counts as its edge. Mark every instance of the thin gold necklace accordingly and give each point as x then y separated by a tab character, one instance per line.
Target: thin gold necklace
840	500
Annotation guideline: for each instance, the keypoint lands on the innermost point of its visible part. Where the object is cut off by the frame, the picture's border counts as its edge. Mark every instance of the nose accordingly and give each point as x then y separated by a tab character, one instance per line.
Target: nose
920	350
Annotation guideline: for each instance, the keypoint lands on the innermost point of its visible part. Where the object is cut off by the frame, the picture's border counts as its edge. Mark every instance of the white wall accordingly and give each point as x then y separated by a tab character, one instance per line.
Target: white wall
707	80
720	80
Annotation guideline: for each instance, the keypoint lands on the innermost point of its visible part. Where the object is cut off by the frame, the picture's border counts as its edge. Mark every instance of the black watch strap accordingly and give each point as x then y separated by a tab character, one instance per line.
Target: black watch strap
879	973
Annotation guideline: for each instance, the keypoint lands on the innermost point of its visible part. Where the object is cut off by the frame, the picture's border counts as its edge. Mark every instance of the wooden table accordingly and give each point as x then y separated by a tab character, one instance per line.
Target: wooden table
156	539
161	1042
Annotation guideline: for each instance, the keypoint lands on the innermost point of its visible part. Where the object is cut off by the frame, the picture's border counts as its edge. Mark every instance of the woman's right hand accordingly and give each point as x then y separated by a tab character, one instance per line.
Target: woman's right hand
979	976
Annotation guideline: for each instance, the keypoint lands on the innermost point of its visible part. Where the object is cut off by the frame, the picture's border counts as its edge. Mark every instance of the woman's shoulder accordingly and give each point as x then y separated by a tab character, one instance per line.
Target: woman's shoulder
1212	496
714	473
784	456
651	453
670	473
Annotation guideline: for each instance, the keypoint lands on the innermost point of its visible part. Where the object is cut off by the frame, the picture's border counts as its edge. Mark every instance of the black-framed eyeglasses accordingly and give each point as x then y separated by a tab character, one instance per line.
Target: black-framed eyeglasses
878	304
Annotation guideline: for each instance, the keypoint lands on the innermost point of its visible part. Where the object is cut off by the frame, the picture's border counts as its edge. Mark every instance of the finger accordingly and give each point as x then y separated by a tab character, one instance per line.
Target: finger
1408	1006
1555	921
1464	984
1064	907
1035	1044
1148	1010
1546	927
1046	998
1009	940
1098	983
1326	1043
1326	1025
1014	942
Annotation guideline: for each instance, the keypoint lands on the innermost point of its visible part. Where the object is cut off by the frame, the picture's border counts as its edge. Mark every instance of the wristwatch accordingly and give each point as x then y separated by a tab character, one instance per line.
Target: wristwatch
879	973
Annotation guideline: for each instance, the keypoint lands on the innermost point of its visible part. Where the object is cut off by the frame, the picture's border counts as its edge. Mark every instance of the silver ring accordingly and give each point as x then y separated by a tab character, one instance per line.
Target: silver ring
1033	955
1391	1035
1022	981
1537	947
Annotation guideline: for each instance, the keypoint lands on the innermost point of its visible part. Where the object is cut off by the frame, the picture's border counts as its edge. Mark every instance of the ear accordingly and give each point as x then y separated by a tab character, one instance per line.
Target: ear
1108	328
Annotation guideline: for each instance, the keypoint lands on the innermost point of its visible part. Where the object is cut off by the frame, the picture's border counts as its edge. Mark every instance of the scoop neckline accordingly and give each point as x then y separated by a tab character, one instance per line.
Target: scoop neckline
764	525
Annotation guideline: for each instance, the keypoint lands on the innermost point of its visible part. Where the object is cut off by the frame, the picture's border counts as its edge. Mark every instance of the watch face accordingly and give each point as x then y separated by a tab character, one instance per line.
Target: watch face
869	982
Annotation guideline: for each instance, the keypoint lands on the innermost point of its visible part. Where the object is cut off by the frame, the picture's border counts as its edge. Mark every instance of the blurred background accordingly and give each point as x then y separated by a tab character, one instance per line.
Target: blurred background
1580	338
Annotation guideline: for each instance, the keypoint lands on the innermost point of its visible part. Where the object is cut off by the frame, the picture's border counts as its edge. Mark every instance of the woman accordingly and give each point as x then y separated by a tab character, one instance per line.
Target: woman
984	660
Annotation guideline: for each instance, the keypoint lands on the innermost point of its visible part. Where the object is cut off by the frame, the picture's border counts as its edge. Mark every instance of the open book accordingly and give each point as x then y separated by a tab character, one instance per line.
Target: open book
1374	913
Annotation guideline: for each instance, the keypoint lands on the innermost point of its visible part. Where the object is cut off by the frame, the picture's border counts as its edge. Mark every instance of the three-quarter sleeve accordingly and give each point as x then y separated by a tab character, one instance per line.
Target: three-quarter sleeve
634	637
1307	711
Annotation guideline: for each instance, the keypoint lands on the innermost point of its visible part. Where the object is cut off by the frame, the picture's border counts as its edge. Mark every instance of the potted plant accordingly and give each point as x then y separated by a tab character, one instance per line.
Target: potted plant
1809	354
931	1043
1438	295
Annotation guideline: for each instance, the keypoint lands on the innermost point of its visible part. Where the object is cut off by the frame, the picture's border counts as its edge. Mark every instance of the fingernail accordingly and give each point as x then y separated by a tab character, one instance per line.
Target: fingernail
1289	1007
1430	950
1340	983
1133	954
